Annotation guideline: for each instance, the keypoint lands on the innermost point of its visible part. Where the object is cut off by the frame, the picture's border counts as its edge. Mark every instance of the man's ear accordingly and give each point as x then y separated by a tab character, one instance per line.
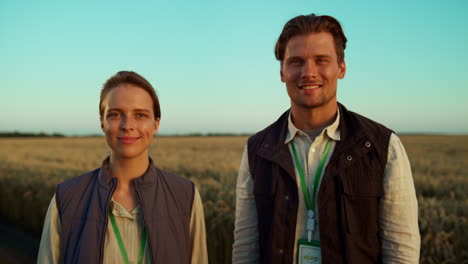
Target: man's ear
281	71
342	70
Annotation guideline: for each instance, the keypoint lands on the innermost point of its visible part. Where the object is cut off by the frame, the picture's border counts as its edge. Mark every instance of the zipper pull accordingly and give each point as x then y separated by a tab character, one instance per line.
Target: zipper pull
310	225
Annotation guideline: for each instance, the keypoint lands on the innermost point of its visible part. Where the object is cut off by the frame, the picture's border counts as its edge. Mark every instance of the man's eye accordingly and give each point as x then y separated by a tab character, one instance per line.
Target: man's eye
113	115
141	115
294	62
322	60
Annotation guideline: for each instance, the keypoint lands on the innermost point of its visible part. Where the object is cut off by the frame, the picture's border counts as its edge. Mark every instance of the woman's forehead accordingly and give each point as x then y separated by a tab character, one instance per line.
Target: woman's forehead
128	96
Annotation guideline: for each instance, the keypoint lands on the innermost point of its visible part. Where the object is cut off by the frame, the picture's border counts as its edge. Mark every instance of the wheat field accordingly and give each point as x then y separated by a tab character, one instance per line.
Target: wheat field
31	167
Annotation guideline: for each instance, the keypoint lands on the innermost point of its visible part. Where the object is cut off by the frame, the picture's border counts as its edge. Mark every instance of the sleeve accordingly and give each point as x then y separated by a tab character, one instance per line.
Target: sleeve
197	231
245	248
49	248
398	218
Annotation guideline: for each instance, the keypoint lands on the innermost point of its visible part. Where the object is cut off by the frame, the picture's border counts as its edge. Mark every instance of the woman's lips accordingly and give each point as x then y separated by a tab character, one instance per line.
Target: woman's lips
128	140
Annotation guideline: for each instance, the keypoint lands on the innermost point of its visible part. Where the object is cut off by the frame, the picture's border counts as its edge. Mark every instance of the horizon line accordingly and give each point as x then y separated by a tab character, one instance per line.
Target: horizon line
19	134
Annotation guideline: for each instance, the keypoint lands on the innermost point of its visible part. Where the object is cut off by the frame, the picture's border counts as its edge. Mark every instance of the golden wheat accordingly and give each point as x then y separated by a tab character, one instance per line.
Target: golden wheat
31	167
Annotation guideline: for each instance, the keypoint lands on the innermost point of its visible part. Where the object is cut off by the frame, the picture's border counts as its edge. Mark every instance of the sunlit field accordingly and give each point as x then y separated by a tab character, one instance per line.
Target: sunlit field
31	167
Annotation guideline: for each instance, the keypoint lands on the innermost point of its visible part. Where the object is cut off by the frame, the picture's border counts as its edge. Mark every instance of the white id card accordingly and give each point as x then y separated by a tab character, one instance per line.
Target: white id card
308	253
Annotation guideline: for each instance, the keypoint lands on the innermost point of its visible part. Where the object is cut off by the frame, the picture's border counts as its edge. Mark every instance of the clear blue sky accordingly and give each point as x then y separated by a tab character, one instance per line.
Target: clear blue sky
213	66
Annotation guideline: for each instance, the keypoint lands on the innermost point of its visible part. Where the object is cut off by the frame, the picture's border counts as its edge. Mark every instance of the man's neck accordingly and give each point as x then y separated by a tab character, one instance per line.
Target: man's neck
307	119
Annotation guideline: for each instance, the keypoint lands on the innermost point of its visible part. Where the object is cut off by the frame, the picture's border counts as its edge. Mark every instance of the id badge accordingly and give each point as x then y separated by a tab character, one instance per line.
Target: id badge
308	252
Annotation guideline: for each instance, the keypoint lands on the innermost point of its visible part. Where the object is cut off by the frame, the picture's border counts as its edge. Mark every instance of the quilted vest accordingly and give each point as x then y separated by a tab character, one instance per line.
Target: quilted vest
348	196
166	202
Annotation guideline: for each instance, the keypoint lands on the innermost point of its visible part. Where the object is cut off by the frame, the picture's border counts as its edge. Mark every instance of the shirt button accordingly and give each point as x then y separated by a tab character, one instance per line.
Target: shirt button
367	144
280	251
313	149
286	197
349	157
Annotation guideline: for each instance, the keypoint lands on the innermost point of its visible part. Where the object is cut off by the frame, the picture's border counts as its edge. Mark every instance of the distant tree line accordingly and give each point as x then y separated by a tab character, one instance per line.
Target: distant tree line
17	134
27	134
205	135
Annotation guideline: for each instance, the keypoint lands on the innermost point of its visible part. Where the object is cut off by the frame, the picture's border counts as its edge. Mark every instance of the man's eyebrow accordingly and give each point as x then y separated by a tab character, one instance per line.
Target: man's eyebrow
134	110
114	109
294	58
323	56
141	110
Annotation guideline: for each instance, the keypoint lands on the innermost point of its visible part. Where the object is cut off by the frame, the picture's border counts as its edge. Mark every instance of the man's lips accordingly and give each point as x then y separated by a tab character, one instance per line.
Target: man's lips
128	140
310	86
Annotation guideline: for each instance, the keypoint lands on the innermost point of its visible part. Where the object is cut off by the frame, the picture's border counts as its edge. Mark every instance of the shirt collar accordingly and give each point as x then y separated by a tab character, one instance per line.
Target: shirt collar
332	131
118	210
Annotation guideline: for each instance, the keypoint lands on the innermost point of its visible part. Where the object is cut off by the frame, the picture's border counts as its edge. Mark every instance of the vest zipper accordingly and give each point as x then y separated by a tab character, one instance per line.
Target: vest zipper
101	252
144	221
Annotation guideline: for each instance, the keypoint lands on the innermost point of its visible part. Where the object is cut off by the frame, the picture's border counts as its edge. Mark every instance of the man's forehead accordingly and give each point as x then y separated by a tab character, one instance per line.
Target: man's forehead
321	42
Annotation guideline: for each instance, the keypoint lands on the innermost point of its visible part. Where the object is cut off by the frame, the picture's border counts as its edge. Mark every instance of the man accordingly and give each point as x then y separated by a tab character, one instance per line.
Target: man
323	184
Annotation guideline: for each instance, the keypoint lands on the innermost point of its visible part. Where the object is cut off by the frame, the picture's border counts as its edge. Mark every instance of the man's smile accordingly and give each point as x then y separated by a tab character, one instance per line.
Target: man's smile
310	85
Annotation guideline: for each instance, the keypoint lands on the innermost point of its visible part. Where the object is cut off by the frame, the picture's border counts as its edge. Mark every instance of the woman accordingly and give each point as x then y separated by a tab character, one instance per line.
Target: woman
128	210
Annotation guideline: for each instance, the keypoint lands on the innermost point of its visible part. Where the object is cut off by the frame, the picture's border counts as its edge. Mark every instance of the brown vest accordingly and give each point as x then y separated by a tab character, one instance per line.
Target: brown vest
348	196
166	202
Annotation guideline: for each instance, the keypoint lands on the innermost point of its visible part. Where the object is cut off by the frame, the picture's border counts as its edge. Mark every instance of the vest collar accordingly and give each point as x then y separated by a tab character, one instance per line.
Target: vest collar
331	131
148	178
349	127
273	147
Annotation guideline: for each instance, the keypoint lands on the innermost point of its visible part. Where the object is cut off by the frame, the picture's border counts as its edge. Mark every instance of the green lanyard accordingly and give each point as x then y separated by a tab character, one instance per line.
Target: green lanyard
310	202
121	245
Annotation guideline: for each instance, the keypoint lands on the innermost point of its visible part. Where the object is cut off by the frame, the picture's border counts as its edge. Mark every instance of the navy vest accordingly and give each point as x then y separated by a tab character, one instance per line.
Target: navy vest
83	206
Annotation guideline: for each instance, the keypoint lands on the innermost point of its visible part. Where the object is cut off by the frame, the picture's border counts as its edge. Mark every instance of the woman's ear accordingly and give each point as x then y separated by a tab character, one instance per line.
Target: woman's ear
156	126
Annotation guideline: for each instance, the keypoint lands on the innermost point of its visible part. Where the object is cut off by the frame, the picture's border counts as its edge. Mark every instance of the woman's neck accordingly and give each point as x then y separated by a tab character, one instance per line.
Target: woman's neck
126	170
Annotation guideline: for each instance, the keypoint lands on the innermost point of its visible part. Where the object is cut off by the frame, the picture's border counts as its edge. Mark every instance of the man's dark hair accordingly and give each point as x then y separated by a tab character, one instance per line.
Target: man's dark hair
129	77
301	25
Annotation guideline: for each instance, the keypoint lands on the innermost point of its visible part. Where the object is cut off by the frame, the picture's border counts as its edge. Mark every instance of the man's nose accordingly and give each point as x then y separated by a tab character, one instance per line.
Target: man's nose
309	70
